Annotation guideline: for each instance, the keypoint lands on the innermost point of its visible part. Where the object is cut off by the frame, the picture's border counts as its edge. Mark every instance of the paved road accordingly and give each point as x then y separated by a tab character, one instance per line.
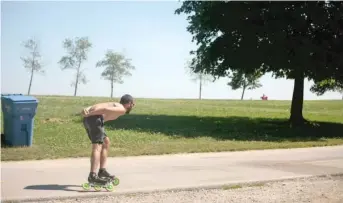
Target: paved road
62	178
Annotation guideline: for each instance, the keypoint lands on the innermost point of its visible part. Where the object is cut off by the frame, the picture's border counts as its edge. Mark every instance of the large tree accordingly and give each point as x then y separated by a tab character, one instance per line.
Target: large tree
32	61
239	79
116	67
77	50
296	40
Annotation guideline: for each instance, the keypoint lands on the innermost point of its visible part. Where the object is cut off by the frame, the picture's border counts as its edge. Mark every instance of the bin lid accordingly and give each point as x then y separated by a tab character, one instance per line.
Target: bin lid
20	98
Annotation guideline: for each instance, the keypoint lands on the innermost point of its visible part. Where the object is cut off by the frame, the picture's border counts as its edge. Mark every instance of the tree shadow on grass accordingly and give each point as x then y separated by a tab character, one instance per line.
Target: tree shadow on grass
227	128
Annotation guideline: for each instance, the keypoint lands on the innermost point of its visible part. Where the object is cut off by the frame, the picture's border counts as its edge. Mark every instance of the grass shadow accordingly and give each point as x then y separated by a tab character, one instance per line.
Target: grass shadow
228	128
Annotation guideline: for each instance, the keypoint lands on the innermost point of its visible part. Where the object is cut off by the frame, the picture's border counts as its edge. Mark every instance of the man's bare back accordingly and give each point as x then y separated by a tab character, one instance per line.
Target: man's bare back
109	110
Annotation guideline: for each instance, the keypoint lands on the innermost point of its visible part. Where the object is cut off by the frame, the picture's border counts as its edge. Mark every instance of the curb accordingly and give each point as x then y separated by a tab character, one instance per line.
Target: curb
177	189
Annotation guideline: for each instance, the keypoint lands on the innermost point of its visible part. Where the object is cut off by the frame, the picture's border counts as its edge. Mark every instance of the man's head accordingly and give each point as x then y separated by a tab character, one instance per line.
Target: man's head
127	101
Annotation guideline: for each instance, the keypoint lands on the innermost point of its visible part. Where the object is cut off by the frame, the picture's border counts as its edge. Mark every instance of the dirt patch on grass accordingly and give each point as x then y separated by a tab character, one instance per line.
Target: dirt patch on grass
54	120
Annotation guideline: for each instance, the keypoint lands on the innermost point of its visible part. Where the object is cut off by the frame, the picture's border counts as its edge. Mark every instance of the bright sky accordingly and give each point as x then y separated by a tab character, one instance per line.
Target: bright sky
148	32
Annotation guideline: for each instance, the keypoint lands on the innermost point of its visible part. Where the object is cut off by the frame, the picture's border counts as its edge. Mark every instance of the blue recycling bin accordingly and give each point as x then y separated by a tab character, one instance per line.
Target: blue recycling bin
18	116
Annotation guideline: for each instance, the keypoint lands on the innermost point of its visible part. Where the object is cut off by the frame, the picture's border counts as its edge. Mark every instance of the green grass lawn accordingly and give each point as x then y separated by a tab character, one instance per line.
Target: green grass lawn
176	126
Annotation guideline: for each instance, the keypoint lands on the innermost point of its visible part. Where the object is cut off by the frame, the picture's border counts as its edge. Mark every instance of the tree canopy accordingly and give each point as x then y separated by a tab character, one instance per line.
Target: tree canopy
32	62
295	40
77	50
239	80
116	67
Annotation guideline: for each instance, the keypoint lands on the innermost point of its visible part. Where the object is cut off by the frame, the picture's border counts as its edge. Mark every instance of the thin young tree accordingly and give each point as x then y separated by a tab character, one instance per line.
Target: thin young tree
116	67
340	90
32	62
77	50
245	81
199	77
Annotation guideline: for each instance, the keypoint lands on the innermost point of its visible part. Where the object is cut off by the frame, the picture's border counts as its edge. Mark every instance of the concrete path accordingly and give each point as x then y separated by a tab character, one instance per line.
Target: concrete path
62	178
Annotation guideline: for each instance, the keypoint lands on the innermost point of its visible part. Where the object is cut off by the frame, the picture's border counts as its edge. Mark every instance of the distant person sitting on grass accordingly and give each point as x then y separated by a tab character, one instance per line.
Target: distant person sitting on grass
94	118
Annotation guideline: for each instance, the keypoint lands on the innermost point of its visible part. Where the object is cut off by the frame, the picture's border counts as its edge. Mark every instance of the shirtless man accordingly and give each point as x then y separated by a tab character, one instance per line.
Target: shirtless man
94	118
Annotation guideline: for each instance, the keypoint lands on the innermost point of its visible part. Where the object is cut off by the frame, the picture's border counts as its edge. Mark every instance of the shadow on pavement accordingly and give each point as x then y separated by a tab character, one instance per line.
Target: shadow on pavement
53	187
58	187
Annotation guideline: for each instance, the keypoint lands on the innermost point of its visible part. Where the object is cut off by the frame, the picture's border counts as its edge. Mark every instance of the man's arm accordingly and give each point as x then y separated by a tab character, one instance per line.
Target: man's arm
104	110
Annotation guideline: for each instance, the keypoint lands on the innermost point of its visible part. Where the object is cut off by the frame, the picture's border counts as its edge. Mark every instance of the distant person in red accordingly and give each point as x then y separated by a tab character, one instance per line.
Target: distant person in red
264	97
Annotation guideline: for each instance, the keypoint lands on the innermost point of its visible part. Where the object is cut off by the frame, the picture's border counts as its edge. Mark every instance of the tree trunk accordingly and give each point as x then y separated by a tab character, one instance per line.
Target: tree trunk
77	78
76	83
296	117
112	89
200	88
29	91
243	92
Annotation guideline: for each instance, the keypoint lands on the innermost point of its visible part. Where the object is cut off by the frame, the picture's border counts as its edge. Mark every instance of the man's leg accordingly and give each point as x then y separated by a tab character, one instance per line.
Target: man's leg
103	159
95	157
97	142
94	134
95	162
104	151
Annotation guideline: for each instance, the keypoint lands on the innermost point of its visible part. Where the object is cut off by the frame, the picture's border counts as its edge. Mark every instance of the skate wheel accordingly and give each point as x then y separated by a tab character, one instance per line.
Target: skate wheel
97	187
86	186
115	182
110	187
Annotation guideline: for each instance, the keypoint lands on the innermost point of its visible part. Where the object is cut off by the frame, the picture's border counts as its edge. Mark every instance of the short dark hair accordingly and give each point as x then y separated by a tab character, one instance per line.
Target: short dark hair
126	98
